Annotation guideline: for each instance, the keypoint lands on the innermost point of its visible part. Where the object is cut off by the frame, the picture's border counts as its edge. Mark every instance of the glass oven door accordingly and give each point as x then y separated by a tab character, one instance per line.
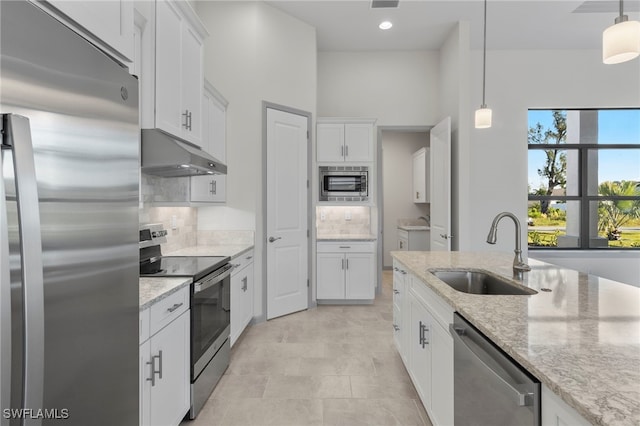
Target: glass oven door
210	316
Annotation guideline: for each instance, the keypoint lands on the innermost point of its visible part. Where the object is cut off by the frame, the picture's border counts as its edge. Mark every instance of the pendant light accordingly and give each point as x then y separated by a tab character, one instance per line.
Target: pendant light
621	41
483	115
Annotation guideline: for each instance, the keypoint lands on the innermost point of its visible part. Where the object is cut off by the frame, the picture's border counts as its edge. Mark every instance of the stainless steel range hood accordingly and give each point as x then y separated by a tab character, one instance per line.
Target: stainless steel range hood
168	156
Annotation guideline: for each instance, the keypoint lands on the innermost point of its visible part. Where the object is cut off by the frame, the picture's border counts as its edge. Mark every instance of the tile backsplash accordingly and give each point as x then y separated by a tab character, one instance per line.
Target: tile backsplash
343	220
185	233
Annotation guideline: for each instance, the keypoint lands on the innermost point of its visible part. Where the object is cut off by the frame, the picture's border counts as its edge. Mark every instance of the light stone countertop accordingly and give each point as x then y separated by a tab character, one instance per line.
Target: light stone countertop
346	237
154	289
414	227
582	339
231	250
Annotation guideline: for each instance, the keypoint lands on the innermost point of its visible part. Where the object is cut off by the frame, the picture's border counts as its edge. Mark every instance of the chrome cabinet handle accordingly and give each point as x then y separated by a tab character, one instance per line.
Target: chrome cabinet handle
346	150
396	292
185	114
401	244
272	239
189	118
244	283
152	363
395	268
417	195
423	338
249	257
174	307
347	263
345	247
343	264
396	328
403	272
213	185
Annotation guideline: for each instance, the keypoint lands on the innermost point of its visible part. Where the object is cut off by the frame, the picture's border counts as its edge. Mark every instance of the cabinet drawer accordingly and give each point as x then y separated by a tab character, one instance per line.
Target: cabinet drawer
239	262
168	309
347	247
144	325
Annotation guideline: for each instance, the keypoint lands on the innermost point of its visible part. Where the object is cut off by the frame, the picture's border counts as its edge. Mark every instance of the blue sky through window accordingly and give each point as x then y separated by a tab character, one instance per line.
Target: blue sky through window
615	126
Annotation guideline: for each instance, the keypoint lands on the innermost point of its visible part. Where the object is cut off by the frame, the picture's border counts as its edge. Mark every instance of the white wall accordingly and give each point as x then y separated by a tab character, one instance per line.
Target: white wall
517	81
397	175
254	53
396	88
454	102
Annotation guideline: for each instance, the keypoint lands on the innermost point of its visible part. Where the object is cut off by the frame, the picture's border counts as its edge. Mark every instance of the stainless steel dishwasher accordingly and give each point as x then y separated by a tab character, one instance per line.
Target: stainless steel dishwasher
490	389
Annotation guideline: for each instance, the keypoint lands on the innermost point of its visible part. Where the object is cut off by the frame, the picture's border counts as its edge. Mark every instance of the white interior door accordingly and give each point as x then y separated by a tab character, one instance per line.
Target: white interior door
440	185
286	230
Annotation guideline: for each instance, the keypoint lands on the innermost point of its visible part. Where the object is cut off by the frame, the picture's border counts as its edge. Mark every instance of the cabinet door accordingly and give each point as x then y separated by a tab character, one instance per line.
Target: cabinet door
145	385
398	310
360	276
170	397
218	118
442	376
247	296
420	342
330	142
420	177
358	141
191	84
331	267
209	189
109	21
236	305
169	112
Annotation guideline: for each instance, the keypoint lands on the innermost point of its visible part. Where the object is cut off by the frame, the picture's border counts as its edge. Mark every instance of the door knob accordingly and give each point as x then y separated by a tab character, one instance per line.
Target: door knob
445	236
272	239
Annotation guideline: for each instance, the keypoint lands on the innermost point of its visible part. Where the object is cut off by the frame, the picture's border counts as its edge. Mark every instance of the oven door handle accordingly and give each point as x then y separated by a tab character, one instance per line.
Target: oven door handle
224	273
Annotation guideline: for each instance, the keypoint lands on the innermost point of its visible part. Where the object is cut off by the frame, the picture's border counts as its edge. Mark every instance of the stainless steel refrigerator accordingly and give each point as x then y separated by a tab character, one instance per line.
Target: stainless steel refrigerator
68	226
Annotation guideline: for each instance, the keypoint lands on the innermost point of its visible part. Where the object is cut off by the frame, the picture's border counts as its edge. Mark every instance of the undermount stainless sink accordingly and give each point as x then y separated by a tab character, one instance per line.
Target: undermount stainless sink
479	282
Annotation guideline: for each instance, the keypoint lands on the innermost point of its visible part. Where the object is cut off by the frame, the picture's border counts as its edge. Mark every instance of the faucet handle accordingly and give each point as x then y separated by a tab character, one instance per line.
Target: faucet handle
521	266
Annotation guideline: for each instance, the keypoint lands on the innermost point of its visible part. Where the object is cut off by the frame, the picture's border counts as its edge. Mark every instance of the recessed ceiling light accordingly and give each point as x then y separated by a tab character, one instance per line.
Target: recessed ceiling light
385	25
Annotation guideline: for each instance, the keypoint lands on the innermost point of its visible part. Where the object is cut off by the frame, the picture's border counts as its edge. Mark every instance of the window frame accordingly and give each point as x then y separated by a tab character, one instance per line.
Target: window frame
584	197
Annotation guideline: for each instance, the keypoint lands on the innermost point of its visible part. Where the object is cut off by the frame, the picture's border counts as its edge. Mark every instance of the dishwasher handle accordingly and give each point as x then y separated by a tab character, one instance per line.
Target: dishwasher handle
523	398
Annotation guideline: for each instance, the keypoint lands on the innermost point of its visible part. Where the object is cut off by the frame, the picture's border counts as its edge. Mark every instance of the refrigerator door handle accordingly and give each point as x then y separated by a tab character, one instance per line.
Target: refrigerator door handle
17	137
5	298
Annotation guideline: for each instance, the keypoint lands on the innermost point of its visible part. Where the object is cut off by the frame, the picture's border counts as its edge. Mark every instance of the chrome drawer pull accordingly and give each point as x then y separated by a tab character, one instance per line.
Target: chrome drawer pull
175	306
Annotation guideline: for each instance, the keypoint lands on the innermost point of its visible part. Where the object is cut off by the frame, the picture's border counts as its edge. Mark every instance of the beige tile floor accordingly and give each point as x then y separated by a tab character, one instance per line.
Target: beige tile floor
332	365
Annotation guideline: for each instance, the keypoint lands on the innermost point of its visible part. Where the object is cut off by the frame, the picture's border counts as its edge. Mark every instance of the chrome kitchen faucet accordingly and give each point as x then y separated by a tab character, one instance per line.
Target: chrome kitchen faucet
519	266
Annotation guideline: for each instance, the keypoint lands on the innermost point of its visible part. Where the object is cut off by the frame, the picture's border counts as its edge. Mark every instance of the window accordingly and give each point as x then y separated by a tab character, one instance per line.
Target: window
584	179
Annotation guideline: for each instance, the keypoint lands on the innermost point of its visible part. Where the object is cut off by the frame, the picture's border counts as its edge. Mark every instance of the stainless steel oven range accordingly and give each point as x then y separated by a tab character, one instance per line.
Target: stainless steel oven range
210	308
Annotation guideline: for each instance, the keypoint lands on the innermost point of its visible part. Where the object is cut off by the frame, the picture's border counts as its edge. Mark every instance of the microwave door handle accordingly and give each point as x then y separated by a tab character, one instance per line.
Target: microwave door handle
18	139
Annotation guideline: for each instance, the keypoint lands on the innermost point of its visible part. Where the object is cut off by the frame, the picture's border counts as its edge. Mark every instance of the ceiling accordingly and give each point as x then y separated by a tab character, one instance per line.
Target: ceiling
352	25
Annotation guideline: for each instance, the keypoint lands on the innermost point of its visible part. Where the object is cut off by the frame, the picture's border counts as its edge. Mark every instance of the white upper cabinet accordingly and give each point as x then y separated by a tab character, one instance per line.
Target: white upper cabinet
420	176
345	140
178	66
212	188
109	24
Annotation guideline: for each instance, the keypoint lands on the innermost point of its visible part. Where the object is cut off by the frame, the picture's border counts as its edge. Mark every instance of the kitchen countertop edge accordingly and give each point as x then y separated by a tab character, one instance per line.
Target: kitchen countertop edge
153	290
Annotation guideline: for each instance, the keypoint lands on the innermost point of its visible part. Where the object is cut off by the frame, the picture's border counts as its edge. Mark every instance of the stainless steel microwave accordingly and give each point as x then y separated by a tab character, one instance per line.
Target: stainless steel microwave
344	183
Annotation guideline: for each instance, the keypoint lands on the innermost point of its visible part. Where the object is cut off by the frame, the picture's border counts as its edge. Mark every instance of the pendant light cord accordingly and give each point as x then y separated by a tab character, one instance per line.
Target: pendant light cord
484	56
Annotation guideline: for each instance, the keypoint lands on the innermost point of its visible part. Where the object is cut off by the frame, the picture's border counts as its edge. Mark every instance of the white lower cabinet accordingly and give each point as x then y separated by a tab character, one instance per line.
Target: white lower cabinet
556	413
346	271
420	352
241	294
424	343
164	362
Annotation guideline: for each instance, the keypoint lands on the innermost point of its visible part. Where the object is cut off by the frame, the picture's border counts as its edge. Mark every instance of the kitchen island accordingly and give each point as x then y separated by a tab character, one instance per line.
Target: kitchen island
581	339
